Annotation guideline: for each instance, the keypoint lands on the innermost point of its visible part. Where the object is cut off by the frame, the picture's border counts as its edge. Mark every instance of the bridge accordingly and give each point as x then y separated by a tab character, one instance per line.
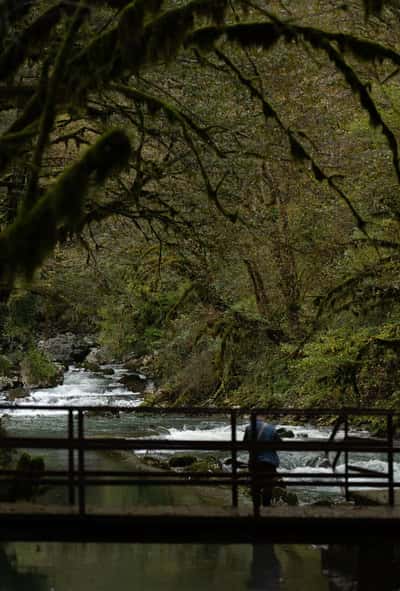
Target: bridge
235	520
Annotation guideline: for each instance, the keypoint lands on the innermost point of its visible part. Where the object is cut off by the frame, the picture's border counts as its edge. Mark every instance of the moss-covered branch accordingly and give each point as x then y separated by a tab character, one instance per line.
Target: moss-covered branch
25	244
33	38
299	152
135	41
173	114
49	110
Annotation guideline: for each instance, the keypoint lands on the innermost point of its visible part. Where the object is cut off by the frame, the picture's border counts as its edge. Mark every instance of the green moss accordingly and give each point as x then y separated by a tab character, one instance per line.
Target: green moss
5	366
60	209
37	369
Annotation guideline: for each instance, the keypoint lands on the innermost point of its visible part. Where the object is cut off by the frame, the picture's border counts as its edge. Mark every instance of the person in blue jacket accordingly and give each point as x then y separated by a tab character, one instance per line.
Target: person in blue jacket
264	463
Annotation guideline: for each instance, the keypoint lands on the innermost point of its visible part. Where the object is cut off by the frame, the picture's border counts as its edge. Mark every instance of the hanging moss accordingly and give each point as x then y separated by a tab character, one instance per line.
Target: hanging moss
173	114
33	38
132	21
143	35
12	12
10	143
267	34
25	244
373	6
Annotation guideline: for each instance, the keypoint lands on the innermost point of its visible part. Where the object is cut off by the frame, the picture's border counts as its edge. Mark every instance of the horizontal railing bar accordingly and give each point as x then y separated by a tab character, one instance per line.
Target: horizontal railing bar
96	444
367	471
172	482
78	479
183	475
189	482
352	438
205	411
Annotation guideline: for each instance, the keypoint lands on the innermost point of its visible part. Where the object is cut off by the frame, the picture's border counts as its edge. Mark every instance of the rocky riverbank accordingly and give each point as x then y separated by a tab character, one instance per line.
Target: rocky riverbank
41	364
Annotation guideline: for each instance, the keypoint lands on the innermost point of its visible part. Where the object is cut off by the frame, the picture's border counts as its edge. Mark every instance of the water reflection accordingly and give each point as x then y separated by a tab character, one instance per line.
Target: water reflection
265	569
12	578
196	567
362	568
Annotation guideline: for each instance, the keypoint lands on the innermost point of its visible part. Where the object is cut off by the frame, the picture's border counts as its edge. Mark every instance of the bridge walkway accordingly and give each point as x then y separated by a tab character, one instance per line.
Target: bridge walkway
79	521
199	524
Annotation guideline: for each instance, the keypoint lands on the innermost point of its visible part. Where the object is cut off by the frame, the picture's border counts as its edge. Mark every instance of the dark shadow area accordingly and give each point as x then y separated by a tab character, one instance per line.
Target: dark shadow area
265	573
362	568
13	579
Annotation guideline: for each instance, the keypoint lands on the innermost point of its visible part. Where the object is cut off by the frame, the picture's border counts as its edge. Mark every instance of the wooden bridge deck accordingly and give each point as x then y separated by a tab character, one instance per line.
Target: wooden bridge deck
145	524
81	521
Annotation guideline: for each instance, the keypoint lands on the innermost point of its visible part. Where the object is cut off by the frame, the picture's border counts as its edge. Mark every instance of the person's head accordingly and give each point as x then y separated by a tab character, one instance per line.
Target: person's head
260	417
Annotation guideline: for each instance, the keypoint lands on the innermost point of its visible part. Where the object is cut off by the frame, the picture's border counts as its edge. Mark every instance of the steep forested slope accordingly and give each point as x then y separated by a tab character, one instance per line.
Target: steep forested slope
216	182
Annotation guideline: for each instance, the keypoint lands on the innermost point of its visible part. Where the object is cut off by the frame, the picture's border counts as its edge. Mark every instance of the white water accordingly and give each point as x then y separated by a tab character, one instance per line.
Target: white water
82	388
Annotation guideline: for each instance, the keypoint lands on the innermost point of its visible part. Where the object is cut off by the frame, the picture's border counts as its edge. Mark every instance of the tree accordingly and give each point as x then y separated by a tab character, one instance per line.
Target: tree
222	151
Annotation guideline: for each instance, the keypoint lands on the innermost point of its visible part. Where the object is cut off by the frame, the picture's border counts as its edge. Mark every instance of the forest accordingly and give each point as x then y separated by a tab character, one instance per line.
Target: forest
209	191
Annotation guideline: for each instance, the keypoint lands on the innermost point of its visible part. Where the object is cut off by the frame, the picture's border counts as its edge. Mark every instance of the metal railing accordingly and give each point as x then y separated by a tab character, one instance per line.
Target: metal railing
77	477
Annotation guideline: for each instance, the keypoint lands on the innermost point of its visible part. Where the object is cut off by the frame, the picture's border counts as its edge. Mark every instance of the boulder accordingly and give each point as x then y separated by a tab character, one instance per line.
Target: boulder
38	371
6	383
147	360
133	363
280	495
66	348
89	366
134	382
285	433
323	503
318	462
324	463
313	462
182	461
16	393
98	356
227	464
206	464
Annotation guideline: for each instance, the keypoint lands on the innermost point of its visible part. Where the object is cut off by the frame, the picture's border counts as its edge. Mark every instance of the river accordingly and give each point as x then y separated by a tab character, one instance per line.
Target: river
152	567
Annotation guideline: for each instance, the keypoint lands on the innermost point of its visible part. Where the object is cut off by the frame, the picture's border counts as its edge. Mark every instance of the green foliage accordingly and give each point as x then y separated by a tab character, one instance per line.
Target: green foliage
37	368
350	366
22	317
136	41
5	365
230	310
134	323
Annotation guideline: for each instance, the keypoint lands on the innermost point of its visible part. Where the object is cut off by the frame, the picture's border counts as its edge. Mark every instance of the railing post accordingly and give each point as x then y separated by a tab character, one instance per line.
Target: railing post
235	496
346	459
71	454
81	464
390	458
255	489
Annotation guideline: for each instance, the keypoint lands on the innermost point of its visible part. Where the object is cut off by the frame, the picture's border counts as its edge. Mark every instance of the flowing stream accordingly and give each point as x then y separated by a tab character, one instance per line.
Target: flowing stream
86	388
89	567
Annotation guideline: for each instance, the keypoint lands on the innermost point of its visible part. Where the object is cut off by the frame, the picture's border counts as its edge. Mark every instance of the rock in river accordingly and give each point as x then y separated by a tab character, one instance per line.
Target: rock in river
286	433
